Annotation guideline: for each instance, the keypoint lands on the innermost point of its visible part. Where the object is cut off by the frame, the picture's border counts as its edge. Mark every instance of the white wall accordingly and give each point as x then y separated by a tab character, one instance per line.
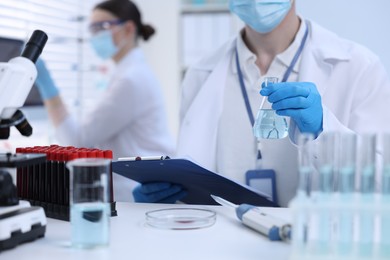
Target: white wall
162	50
363	21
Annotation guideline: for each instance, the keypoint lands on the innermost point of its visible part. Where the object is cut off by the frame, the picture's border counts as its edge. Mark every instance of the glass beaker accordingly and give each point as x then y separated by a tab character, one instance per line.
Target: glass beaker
89	202
269	125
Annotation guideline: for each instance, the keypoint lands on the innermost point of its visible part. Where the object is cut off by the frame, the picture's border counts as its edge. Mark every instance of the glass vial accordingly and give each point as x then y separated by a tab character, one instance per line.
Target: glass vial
366	166
346	172
269	125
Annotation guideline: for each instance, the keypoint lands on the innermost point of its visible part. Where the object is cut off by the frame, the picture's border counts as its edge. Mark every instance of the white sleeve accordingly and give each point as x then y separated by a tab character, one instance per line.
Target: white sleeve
121	104
67	132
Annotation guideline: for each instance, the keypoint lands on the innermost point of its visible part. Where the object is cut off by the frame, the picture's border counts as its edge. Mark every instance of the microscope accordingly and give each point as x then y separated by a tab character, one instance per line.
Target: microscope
19	222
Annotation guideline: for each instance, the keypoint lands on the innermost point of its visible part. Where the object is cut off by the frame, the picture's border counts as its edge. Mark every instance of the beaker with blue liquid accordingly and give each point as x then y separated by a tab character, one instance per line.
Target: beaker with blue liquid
269	125
89	202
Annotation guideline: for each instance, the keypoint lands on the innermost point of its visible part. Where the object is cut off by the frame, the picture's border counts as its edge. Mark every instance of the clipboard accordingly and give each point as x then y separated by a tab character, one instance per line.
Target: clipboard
199	182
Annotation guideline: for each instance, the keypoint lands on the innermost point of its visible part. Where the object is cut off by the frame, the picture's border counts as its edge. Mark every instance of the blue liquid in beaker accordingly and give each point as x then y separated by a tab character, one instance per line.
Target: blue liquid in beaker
269	125
90	224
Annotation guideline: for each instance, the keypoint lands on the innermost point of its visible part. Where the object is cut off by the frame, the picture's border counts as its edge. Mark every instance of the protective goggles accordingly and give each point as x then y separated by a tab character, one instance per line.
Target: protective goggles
104	25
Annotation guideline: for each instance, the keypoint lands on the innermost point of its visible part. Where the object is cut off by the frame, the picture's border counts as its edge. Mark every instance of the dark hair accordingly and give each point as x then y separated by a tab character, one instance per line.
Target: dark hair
126	10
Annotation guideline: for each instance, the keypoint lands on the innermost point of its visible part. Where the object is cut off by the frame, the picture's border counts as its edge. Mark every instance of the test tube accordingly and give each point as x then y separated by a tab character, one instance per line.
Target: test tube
41	177
19	175
61	177
30	179
269	125
367	148
346	171
301	202
384	244
346	163
327	155
326	163
36	178
305	161
366	163
109	155
54	176
386	165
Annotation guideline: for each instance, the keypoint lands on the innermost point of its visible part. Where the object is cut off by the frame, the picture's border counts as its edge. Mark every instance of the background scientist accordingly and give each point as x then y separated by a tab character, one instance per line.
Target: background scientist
130	119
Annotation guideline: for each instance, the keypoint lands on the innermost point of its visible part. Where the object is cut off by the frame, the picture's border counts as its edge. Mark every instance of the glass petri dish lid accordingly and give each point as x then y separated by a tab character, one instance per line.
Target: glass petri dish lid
180	218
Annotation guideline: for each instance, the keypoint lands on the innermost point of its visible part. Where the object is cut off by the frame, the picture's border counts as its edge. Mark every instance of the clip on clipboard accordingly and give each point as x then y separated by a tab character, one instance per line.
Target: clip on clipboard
199	182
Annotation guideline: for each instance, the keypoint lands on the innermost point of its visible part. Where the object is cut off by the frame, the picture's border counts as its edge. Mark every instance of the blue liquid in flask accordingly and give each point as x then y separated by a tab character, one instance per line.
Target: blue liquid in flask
269	125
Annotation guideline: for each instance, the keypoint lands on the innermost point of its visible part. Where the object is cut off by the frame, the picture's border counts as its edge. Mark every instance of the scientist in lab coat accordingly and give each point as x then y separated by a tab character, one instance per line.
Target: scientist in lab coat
130	119
332	85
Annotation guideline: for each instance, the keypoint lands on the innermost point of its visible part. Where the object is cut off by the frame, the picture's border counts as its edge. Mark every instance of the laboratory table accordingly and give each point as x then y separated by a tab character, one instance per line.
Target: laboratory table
132	238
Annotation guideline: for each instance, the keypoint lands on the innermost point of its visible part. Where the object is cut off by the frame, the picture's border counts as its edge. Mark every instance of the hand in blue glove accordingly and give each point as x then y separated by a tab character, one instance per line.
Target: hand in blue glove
298	100
158	192
44	82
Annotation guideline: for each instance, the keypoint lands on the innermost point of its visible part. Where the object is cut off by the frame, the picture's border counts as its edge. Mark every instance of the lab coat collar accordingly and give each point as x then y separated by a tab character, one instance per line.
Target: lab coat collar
210	61
323	49
204	125
329	48
245	56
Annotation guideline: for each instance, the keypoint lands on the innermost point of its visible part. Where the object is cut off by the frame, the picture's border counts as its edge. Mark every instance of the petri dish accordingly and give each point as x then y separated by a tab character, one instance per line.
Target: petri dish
181	218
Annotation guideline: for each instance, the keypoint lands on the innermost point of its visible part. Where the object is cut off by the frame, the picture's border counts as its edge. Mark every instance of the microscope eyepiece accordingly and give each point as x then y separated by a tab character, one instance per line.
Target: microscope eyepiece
35	45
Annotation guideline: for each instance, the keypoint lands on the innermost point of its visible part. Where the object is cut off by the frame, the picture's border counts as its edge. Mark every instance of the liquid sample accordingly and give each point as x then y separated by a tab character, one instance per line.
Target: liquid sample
326	178
90	224
269	125
347	179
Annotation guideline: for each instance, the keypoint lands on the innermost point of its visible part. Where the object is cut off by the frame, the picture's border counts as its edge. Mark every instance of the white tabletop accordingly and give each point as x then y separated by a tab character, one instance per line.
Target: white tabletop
132	238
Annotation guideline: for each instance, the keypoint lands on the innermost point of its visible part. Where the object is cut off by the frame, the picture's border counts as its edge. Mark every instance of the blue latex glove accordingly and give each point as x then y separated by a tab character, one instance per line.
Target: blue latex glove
44	81
298	100
158	192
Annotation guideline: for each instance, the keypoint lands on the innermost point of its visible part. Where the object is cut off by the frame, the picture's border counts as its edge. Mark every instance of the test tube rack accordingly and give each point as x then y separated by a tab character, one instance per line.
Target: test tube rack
332	227
47	184
340	211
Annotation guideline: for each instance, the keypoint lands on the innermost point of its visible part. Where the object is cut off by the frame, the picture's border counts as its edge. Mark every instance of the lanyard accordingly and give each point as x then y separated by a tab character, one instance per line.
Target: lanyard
285	77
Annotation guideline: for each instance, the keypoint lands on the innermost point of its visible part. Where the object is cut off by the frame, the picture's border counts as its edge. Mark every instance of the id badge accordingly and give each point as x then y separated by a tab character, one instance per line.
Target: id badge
264	181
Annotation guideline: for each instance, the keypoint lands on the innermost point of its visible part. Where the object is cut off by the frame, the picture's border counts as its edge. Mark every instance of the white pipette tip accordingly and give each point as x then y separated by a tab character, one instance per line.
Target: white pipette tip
223	202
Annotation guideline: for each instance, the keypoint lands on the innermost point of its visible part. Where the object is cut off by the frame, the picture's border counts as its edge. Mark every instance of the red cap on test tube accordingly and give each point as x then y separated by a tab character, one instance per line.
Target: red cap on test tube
108	154
82	153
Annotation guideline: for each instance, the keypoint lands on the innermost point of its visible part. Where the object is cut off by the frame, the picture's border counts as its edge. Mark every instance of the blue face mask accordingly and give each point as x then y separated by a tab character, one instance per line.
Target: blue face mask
103	44
261	15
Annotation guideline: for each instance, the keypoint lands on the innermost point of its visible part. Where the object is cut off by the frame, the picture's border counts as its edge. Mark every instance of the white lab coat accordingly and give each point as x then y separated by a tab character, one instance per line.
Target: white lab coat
353	83
130	119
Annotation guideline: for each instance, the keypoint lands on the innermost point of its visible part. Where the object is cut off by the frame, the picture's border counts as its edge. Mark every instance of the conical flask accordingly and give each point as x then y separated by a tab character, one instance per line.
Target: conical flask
269	125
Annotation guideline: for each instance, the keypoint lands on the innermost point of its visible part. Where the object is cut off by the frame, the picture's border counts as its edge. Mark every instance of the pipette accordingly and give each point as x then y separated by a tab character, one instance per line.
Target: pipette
275	229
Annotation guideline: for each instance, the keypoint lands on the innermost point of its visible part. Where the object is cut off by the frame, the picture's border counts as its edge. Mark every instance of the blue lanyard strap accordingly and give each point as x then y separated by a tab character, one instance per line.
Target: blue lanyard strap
246	99
285	77
243	90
